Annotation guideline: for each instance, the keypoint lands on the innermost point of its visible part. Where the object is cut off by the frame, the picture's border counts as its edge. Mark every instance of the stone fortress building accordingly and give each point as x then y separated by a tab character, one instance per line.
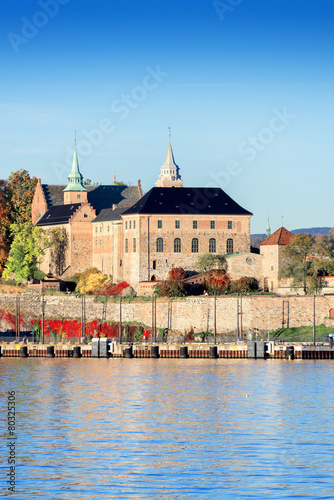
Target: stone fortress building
139	238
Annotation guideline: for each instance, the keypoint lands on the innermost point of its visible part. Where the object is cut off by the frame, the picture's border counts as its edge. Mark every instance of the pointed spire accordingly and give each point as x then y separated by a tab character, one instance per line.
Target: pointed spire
169	176
75	179
268	230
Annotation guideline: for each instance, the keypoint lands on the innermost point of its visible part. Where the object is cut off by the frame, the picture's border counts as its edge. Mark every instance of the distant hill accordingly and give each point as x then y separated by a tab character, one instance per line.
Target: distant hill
257	238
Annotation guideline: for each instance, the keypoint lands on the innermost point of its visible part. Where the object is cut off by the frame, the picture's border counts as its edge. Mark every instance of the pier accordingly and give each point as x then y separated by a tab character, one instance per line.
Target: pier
106	348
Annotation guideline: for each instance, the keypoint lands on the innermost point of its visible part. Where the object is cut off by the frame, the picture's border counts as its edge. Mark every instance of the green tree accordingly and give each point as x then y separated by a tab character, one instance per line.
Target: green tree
210	261
299	264
21	188
29	244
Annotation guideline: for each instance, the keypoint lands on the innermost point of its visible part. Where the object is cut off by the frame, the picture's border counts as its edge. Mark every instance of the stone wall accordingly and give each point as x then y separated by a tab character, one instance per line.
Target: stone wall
261	313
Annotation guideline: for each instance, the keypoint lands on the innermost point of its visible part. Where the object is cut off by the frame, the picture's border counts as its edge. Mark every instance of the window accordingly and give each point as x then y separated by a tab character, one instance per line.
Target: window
101	229
229	246
129	224
160	245
229	224
212	245
212	224
96	229
134	224
154	264
108	229
195	224
85	215
134	245
126	245
100	241
272	268
194	245
159	224
177	245
126	224
177	224
78	196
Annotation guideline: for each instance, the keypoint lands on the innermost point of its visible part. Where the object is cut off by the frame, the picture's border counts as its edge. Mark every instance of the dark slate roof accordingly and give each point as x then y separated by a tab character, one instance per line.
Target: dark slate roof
99	197
170	200
53	194
108	214
58	215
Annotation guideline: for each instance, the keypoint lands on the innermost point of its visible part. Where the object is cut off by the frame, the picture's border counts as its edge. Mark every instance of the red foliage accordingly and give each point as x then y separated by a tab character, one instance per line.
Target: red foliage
218	280
177	274
114	290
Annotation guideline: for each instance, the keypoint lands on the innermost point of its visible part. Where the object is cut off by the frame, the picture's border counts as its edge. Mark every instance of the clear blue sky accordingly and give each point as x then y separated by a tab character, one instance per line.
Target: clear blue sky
245	85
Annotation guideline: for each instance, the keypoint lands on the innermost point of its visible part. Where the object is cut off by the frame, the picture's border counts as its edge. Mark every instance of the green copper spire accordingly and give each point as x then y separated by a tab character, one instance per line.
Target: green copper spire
268	230
75	179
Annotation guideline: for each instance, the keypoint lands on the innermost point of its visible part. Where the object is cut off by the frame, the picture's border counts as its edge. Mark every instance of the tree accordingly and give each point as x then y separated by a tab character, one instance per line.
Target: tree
217	281
4	209
3	253
209	261
21	188
177	274
299	264
28	246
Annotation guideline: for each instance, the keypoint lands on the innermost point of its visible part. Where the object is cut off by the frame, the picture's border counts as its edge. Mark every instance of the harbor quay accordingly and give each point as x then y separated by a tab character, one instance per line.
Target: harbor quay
109	348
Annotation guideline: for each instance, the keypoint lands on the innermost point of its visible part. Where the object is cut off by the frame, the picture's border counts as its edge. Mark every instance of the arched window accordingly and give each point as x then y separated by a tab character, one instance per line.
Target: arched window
177	245
212	245
126	245
134	245
194	245
160	245
229	246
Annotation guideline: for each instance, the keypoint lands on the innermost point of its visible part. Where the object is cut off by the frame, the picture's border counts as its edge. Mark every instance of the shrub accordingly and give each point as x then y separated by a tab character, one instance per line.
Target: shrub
177	274
244	284
90	281
111	289
170	288
217	281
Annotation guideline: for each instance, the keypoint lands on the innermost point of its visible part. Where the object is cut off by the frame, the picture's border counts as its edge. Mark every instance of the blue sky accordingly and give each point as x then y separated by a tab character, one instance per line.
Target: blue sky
245	85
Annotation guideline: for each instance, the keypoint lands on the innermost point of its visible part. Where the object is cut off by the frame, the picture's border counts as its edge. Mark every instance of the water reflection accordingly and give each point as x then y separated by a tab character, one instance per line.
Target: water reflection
171	429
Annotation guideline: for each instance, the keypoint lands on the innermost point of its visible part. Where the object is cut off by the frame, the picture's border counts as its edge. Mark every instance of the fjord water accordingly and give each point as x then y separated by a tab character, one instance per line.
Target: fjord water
170	429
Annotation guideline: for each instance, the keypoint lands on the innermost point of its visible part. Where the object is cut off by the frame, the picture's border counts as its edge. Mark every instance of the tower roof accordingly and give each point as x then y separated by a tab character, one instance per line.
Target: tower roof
75	179
280	237
169	171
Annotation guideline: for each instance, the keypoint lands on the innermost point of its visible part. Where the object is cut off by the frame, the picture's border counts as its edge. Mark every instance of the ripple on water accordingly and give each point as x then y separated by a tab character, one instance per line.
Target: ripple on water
171	429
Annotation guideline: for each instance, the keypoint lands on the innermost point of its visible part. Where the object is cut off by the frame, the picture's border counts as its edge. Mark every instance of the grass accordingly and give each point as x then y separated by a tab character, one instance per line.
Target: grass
302	333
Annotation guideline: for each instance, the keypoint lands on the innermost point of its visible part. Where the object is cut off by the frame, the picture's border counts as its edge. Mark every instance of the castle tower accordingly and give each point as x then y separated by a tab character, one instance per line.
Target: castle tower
75	191
169	176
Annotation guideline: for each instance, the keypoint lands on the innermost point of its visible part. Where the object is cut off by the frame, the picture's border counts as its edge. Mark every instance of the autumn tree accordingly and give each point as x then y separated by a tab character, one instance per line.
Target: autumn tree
3	253
177	274
217	281
28	246
21	188
4	209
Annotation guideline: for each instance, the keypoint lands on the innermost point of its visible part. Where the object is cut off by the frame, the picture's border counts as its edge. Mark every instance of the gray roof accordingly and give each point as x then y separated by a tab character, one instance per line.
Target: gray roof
108	214
58	215
100	197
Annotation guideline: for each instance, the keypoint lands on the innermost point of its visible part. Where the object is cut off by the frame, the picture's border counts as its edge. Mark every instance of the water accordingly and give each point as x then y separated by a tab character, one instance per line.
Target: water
170	429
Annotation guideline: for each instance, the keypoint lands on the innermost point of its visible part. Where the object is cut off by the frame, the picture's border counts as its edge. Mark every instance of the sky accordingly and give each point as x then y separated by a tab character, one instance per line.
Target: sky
246	87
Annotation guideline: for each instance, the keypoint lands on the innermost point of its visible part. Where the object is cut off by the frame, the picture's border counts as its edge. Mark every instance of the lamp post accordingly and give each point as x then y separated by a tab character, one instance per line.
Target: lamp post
43	314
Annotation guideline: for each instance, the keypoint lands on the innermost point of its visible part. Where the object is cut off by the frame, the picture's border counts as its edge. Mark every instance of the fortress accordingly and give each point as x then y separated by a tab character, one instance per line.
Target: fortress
139	238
